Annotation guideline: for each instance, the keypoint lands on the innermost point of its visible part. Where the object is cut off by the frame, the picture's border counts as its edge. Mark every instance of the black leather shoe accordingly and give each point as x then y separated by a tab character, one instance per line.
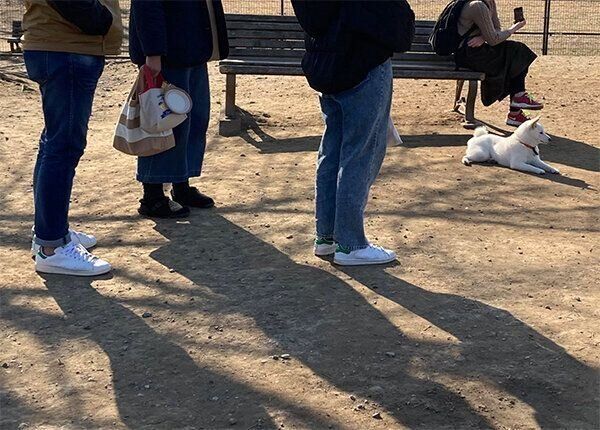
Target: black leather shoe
193	198
163	208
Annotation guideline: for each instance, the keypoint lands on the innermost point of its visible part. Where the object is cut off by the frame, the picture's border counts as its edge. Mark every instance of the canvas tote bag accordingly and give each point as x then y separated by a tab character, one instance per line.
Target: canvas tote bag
130	138
155	114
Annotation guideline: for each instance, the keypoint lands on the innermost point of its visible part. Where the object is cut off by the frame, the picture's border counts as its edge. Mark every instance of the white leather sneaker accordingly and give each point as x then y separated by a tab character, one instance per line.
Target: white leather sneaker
324	247
372	254
71	259
88	241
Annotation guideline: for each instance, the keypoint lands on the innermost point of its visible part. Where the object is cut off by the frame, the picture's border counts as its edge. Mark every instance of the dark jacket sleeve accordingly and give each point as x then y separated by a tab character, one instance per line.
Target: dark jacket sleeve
90	16
150	26
387	23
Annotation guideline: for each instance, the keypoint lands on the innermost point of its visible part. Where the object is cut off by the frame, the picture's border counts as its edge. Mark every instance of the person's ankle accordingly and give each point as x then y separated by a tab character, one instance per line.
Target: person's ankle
181	188
48	251
520	94
153	192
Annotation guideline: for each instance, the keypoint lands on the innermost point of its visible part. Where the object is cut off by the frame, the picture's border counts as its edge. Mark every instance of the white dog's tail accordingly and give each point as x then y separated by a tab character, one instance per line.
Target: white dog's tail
480	131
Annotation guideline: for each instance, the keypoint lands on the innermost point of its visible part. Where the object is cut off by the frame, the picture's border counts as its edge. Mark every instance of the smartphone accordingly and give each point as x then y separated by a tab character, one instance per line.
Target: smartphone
519	15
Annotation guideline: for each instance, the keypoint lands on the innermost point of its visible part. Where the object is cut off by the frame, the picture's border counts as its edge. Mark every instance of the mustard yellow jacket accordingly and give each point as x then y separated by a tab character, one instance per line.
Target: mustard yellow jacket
45	29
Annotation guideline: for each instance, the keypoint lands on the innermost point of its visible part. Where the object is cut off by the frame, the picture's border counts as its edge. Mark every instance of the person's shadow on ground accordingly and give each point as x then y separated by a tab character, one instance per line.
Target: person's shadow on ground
333	330
502	351
155	381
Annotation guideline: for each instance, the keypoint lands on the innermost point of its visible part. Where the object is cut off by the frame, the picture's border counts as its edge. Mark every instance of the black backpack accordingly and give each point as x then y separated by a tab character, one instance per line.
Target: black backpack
445	39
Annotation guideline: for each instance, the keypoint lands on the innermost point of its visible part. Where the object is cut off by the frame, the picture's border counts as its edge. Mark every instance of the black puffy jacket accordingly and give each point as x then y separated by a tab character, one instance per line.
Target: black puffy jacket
345	40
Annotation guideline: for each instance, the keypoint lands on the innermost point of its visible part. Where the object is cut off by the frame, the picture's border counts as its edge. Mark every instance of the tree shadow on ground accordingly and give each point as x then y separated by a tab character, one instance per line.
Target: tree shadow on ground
156	382
338	334
499	349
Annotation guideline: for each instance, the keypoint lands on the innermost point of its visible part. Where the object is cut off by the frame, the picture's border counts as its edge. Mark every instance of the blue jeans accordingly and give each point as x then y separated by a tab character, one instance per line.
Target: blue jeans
350	157
185	160
67	83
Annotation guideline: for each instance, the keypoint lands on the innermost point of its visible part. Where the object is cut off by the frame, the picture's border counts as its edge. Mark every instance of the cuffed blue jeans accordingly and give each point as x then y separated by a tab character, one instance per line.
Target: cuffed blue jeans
350	157
67	83
185	160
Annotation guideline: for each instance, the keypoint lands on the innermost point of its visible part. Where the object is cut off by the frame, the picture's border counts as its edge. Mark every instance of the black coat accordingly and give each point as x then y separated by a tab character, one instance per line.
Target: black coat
179	31
345	40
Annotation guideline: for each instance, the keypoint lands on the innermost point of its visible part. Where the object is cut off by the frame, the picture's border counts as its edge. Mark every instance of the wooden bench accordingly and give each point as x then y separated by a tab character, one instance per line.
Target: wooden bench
274	45
15	37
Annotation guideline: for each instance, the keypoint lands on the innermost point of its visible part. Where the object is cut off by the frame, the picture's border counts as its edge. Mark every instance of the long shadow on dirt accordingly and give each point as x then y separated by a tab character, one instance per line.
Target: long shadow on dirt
500	350
334	331
156	382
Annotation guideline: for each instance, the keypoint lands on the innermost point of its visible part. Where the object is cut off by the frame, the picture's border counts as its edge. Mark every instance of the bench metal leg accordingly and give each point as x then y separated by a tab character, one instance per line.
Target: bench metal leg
230	123
458	100
470	121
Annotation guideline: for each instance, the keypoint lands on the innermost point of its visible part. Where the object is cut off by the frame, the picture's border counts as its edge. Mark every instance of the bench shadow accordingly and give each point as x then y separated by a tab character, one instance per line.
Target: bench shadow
499	350
327	325
435	140
156	383
268	144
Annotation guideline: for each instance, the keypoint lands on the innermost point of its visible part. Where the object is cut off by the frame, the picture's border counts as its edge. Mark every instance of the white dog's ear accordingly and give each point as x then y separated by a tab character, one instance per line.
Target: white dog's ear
535	120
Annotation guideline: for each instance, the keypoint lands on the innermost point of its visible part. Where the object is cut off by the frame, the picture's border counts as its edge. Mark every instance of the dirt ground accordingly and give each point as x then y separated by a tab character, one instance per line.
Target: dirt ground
488	320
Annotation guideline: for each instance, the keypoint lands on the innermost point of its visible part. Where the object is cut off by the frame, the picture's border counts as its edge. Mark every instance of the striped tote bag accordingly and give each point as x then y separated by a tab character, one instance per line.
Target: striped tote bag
130	138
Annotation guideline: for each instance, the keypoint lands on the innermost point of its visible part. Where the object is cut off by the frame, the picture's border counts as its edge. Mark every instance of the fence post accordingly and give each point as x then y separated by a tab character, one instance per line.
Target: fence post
546	36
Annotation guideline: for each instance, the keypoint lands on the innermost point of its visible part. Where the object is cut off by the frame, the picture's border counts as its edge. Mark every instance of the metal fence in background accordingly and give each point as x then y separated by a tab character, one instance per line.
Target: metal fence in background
556	27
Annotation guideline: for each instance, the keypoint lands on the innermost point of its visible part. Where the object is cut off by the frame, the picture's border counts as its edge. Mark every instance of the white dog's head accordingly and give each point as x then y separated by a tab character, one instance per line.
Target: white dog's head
532	133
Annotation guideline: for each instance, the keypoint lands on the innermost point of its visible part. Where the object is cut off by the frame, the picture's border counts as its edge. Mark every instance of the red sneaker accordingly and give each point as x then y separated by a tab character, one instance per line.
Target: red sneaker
516	118
525	101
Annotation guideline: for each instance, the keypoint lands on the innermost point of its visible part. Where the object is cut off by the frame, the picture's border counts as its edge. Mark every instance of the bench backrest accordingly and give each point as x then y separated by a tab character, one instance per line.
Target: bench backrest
264	36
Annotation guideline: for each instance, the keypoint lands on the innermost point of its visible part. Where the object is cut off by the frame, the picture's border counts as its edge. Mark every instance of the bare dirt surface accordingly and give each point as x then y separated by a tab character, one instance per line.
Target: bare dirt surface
489	319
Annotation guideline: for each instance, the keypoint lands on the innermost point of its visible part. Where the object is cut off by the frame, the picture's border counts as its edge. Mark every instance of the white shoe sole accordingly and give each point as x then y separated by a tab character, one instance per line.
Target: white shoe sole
361	262
513	123
525	106
325	250
62	271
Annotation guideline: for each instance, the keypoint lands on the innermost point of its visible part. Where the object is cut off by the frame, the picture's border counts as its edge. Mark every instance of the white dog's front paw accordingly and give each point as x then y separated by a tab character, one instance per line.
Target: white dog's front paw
555	171
541	172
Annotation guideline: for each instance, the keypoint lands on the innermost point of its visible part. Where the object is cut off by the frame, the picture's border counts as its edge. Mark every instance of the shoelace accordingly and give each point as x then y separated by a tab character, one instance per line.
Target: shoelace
79	253
379	248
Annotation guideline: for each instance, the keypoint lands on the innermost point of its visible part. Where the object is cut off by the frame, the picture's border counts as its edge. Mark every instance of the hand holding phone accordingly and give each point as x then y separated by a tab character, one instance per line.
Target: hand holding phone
519	15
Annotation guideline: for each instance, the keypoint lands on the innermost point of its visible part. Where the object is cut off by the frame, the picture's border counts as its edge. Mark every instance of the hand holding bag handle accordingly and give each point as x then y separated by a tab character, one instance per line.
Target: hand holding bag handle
155	114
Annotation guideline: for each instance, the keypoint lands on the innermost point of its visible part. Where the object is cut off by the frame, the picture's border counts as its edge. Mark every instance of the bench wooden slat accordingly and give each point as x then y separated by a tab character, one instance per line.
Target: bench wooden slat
261	34
296	62
422	56
262	51
266	43
275	70
268	26
230	17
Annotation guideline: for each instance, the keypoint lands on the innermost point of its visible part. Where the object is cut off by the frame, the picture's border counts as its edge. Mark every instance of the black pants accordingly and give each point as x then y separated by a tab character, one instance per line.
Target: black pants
505	66
517	84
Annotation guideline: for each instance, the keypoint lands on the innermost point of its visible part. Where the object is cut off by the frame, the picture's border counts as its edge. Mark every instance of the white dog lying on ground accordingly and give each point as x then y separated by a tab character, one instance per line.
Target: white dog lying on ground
519	151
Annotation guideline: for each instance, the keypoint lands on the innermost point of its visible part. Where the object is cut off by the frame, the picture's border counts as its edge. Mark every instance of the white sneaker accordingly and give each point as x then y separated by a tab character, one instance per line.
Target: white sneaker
324	247
71	259
372	254
86	240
